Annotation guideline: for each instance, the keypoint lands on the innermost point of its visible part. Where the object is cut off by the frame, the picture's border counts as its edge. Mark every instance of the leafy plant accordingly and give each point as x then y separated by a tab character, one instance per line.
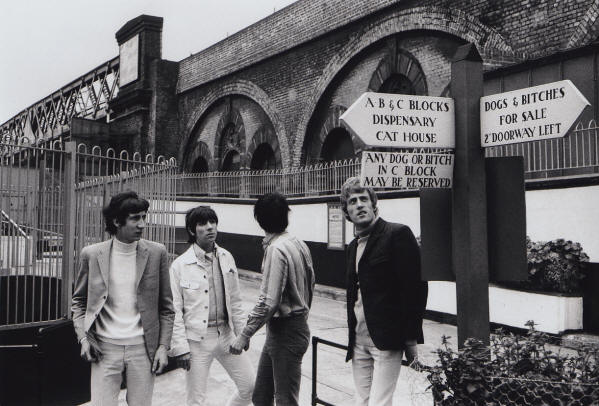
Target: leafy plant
514	370
556	265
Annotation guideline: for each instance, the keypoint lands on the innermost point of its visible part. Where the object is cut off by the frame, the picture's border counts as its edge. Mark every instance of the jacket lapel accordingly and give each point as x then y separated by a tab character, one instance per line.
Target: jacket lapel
374	236
104	259
140	261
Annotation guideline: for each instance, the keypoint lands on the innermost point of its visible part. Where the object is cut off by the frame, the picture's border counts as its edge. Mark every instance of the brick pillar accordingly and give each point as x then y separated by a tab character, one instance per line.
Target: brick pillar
131	112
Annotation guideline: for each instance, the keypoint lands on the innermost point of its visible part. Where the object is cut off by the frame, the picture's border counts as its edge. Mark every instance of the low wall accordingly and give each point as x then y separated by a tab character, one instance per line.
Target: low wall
552	313
558	213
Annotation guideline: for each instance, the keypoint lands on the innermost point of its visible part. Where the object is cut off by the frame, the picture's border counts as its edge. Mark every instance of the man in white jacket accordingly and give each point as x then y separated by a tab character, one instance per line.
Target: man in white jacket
208	311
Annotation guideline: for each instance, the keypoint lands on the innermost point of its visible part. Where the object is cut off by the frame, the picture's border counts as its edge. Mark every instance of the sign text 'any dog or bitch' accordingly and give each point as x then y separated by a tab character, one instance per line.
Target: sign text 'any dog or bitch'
399	120
406	170
530	114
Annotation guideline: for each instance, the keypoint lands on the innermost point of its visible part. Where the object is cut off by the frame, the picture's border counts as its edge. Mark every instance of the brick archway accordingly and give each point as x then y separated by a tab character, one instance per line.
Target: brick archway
230	136
399	62
264	136
314	149
200	150
445	20
252	92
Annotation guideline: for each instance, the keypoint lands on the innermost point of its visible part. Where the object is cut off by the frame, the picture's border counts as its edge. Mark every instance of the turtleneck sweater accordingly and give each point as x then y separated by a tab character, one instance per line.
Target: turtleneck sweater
119	322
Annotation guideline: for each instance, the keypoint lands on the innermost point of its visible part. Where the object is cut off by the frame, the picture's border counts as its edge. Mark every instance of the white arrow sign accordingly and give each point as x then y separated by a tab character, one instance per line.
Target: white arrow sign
531	114
399	120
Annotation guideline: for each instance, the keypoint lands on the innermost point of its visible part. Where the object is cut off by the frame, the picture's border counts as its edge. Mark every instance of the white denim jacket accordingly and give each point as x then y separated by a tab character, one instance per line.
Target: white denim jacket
191	300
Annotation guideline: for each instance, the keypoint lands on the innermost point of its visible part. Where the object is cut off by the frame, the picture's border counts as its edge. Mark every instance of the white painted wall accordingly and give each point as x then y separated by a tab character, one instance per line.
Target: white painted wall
570	213
552	314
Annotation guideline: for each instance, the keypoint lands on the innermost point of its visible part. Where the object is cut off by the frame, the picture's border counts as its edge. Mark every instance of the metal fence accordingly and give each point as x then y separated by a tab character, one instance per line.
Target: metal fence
51	195
321	179
575	155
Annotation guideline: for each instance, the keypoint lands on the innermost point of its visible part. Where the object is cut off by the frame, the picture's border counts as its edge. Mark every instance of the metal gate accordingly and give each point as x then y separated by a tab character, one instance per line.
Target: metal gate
51	197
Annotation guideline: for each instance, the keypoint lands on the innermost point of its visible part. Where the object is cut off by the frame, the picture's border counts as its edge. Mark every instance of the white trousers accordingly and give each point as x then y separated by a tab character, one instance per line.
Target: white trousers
375	375
106	375
238	367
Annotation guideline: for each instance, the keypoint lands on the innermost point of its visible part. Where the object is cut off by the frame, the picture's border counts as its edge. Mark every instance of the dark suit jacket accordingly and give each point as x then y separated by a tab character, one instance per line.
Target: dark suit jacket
154	296
393	294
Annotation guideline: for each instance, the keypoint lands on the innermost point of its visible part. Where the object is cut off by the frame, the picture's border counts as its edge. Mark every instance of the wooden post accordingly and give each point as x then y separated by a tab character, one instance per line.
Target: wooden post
469	201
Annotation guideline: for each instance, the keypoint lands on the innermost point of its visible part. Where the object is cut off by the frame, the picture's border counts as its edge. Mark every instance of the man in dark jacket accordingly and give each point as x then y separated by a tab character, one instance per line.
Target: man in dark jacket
385	297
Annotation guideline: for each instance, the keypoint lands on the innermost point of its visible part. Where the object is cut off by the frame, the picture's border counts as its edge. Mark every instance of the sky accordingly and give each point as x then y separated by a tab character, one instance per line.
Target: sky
45	44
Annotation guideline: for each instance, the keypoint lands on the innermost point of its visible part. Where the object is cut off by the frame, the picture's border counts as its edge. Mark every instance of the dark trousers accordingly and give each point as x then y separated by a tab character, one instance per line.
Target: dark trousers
279	370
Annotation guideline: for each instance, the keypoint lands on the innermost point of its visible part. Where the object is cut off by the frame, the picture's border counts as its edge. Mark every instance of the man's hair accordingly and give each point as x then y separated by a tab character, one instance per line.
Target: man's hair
198	215
352	185
271	211
119	208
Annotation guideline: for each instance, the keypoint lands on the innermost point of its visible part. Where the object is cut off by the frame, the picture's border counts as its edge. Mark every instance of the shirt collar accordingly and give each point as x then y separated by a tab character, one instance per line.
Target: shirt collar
269	237
191	255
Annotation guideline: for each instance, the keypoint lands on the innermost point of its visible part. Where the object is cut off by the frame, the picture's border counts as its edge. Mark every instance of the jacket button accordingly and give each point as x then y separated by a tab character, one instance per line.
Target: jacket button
206	291
204	321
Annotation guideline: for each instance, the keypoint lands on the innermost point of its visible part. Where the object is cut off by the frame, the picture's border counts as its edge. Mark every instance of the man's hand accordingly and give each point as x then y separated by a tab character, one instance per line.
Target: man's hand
241	343
411	352
88	353
160	360
183	361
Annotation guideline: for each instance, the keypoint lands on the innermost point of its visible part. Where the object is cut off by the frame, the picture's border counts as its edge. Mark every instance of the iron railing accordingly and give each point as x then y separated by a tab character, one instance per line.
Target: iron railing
51	200
86	97
315	341
576	155
313	180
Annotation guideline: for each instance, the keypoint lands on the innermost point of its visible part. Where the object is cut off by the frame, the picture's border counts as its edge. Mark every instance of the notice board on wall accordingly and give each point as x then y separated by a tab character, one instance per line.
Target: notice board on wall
336	227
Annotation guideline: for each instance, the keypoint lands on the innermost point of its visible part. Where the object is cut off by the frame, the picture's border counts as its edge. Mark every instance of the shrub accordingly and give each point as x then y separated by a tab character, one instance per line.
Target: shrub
514	370
556	265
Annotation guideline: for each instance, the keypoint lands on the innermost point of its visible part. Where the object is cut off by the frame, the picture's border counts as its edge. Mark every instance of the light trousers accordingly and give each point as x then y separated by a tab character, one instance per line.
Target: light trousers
239	368
375	375
106	375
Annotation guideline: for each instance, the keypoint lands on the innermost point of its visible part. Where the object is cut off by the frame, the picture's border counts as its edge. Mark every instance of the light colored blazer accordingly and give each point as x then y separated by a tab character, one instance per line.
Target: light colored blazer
154	297
191	301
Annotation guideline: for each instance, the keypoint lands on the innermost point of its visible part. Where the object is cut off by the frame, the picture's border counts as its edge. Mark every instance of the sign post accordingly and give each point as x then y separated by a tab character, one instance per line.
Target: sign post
469	203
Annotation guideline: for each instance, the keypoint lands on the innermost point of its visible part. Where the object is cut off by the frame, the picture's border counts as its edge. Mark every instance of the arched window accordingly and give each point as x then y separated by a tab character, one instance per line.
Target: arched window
337	146
397	84
263	158
200	165
231	161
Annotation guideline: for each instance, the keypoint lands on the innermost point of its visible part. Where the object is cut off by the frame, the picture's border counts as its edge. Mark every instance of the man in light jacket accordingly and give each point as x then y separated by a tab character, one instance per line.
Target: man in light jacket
122	306
208	311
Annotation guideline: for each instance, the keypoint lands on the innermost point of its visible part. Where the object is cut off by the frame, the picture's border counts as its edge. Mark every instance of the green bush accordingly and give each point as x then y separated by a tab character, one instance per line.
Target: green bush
553	266
556	265
515	370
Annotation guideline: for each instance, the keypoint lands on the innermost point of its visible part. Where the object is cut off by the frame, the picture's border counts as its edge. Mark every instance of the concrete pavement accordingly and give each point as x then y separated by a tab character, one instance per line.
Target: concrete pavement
335	385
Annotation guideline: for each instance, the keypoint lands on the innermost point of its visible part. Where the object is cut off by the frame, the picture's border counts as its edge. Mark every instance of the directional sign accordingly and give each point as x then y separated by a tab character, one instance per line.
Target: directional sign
399	120
406	170
531	114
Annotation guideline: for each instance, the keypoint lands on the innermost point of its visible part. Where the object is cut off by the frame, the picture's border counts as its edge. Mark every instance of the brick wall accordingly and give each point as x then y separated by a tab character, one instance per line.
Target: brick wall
316	55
